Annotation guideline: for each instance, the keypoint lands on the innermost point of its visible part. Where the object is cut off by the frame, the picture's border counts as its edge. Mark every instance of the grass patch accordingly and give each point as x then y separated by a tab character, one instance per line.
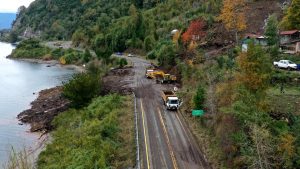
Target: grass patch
19	160
287	102
98	136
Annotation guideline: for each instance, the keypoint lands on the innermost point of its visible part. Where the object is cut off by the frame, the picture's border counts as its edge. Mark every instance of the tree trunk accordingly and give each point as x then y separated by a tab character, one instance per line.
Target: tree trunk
236	38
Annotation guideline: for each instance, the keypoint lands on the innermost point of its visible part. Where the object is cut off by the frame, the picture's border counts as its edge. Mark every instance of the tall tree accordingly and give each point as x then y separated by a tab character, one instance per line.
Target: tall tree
292	18
195	31
271	31
254	69
233	16
263	148
139	3
199	98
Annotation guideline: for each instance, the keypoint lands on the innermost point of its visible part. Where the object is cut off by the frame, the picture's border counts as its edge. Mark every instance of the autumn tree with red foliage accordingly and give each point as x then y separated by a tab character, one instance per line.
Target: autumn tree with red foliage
195	31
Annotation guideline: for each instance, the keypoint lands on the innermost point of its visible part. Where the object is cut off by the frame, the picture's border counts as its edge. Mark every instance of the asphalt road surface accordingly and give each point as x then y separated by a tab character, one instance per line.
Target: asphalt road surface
164	138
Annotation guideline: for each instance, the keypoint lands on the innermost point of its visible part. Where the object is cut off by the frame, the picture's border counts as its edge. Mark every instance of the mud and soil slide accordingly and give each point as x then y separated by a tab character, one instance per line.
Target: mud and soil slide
165	139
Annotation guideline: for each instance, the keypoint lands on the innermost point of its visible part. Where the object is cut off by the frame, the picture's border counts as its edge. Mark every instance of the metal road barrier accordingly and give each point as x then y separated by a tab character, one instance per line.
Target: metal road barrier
138	163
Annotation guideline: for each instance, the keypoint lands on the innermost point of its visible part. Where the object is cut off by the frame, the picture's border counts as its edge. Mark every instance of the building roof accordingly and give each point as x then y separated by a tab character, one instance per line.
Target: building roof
290	32
254	36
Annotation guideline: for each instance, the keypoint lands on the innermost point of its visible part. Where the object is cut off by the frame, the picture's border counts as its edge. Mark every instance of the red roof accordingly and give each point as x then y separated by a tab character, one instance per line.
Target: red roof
251	35
288	32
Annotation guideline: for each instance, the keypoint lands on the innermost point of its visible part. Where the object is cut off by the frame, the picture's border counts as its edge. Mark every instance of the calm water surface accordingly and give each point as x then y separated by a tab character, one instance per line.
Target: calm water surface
18	81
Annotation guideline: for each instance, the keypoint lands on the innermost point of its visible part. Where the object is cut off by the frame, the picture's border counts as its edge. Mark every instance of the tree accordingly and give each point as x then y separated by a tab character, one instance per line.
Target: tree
233	16
139	3
199	98
254	69
82	88
133	11
292	18
271	31
195	31
165	52
263	148
78	37
87	55
122	62
287	149
21	9
13	37
149	43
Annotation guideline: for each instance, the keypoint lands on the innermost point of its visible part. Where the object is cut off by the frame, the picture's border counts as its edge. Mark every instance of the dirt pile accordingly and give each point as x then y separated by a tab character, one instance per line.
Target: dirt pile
118	81
49	104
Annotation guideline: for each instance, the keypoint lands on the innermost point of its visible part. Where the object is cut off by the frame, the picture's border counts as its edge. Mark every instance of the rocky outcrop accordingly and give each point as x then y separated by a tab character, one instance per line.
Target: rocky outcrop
49	104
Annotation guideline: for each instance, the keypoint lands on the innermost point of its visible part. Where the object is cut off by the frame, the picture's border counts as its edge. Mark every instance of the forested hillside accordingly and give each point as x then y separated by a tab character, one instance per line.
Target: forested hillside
120	24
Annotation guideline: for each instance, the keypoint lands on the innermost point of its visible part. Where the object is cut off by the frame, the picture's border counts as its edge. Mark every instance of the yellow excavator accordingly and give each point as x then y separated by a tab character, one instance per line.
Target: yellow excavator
160	76
165	78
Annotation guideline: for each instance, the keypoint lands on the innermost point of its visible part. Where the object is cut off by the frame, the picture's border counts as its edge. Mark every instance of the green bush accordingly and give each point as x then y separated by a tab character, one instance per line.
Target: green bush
72	56
87	56
82	88
30	49
122	62
199	98
151	55
221	61
57	53
149	43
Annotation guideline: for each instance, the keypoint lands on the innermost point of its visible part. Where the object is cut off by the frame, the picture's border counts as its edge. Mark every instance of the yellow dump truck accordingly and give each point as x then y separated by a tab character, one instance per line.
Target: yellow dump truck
171	101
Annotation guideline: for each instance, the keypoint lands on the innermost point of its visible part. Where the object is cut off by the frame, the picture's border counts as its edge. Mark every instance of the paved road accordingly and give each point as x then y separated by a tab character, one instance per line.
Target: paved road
165	141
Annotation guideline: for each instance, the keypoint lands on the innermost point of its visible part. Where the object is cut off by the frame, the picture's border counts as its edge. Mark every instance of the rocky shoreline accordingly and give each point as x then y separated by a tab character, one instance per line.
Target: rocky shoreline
49	104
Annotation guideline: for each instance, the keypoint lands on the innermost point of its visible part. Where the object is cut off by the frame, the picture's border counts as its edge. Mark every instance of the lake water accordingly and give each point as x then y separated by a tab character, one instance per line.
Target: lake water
18	81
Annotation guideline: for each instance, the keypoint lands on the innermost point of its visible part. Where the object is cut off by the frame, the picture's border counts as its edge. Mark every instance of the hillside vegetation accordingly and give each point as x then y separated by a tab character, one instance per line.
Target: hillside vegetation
98	136
252	109
112	24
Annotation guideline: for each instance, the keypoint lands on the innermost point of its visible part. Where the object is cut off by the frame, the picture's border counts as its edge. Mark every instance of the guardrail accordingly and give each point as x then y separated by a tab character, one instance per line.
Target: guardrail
138	163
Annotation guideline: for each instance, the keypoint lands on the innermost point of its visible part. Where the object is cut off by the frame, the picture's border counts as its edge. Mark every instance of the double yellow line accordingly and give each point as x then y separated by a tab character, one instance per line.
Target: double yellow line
145	135
165	133
168	140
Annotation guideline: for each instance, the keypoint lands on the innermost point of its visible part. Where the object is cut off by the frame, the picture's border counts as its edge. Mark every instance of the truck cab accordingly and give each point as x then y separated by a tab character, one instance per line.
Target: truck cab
173	103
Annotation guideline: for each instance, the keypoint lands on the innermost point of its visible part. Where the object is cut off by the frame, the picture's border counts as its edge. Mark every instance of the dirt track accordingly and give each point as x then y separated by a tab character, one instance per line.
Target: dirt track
165	139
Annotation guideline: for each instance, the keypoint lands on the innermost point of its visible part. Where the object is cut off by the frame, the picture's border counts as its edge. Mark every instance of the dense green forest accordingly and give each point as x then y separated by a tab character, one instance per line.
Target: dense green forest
108	26
250	122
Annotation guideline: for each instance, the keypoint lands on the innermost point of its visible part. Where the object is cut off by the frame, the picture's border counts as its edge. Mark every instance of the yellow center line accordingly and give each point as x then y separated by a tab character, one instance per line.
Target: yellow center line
145	135
168	141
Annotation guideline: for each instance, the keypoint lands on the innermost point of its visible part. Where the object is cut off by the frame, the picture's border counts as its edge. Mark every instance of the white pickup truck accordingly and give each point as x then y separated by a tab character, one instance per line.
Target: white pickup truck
285	64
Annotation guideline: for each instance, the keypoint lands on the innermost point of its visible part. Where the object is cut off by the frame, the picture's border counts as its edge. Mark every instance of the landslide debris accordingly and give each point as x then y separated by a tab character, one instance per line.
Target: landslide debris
49	104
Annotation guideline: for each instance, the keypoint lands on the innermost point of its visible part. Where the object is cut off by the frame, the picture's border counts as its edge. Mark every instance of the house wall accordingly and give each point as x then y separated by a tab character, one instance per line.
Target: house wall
262	42
285	39
244	47
298	47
